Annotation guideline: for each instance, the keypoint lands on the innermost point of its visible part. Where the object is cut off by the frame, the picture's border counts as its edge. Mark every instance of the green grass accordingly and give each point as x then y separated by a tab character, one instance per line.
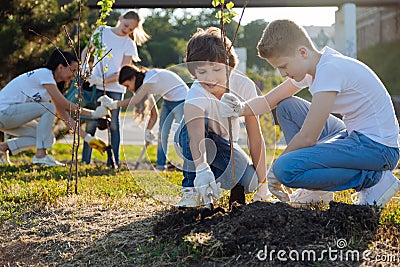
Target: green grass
25	187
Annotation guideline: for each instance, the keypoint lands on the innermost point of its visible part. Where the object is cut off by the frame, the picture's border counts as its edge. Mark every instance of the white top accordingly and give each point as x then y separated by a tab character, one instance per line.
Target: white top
362	99
239	85
166	84
27	87
120	46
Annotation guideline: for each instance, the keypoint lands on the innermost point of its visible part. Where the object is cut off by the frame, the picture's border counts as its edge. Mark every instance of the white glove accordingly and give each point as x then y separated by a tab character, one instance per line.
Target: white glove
231	106
94	80
149	136
85	71
276	188
108	102
262	193
205	184
100	112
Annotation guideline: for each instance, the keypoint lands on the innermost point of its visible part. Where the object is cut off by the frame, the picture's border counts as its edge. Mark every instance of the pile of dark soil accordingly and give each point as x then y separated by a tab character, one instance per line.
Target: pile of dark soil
252	235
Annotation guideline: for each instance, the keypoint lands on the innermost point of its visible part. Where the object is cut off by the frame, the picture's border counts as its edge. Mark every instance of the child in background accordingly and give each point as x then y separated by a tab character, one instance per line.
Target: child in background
122	40
145	83
204	136
324	153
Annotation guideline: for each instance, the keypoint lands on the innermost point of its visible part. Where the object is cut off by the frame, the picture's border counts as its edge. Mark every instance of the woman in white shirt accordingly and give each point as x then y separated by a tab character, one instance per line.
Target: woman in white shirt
34	95
120	41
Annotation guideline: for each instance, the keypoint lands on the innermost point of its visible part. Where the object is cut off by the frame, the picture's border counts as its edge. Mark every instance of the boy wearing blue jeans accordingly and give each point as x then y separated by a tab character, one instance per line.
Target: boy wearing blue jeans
204	135
321	154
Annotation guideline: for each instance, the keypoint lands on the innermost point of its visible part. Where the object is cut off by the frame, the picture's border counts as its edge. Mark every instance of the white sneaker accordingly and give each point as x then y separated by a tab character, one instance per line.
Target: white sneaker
5	158
190	198
47	160
305	196
379	194
160	170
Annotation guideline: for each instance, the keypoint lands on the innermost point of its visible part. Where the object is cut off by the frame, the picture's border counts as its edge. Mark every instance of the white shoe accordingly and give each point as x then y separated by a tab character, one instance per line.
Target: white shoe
379	194
47	160
5	158
190	198
160	170
304	196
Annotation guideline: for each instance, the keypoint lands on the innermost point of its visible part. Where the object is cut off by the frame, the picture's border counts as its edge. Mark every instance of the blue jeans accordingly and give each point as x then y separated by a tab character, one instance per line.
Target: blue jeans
170	110
91	126
218	156
339	161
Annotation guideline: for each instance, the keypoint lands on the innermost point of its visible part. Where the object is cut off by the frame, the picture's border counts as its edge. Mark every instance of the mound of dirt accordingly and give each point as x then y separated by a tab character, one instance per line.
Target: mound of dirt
252	235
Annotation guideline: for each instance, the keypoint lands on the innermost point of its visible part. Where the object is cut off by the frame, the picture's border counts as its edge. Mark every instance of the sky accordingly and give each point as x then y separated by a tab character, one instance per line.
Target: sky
305	16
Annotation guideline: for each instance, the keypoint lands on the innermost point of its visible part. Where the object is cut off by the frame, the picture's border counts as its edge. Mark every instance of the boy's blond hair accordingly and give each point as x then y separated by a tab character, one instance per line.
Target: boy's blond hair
281	38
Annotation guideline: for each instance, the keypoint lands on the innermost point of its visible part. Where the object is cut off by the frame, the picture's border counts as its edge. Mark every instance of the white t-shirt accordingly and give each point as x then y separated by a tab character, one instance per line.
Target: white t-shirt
120	46
362	99
239	85
27	87
166	84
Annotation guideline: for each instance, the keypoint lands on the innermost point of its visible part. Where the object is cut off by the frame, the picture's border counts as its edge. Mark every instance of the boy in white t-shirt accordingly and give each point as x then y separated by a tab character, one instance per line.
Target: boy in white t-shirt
204	135
321	155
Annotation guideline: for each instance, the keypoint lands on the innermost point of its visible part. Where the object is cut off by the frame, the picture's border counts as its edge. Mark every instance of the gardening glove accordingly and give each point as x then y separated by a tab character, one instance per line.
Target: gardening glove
95	143
101	112
262	193
108	102
85	70
149	136
276	188
231	106
205	184
94	80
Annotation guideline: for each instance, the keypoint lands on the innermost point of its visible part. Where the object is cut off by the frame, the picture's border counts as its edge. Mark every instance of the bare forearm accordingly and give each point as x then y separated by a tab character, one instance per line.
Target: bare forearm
299	141
153	118
198	151
256	106
257	152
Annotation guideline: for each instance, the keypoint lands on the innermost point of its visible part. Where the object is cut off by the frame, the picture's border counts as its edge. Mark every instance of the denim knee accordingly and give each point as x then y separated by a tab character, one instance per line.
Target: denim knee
281	172
284	104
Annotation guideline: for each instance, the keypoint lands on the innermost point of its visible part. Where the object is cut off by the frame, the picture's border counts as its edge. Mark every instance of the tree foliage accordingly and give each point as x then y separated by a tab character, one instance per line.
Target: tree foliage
24	26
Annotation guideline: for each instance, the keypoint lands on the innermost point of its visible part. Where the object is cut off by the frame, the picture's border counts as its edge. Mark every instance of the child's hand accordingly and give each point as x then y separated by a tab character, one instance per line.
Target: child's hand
95	80
231	106
149	137
276	188
205	184
101	112
262	193
108	102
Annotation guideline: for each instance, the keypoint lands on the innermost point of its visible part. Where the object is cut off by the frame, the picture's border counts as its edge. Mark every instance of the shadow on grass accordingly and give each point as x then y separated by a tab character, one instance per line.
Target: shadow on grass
250	235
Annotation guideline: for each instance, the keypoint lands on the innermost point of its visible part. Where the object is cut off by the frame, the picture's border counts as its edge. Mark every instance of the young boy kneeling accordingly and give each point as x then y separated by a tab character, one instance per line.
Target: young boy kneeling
204	135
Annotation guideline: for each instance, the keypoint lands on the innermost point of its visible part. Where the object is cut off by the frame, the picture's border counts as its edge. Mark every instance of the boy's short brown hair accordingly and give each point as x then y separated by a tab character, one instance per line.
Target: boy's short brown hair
281	38
208	45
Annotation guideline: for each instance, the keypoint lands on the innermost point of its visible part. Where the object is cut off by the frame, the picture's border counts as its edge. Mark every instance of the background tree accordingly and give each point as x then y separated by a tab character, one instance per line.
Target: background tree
249	38
21	48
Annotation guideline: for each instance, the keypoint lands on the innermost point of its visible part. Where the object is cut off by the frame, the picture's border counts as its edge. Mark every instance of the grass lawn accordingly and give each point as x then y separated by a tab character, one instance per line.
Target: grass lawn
113	219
